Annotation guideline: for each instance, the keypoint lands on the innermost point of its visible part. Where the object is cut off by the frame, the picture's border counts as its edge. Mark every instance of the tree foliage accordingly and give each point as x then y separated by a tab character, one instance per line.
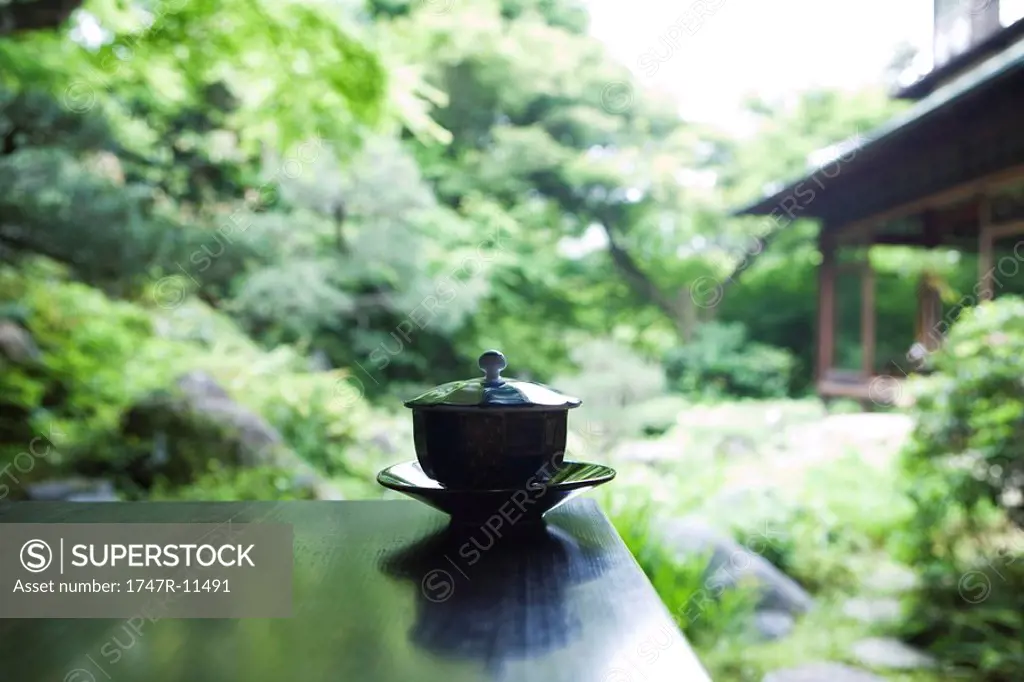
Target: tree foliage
324	205
968	487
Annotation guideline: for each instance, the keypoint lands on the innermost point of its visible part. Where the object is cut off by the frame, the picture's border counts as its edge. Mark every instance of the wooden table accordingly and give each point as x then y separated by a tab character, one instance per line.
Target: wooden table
381	592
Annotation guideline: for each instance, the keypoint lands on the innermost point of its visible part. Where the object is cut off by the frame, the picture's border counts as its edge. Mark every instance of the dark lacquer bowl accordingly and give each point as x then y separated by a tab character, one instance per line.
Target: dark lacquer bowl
490	432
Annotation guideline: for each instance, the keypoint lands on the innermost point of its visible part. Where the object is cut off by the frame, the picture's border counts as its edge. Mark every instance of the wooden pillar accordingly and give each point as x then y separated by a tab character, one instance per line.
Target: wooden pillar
932	331
986	247
921	320
826	305
929	313
867	317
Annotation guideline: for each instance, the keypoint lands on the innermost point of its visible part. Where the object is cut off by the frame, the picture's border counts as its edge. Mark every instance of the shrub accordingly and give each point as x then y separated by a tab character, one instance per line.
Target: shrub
320	415
967	471
720	361
102	360
85	373
656	416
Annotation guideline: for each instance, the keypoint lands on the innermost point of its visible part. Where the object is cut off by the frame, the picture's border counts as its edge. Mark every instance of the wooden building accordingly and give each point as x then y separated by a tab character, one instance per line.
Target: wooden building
948	171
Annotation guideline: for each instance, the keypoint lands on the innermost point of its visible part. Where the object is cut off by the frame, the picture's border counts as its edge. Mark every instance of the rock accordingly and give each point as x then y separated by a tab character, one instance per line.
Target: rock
822	672
648	451
201	386
205	397
881	610
317	487
731	564
734	447
890	578
72	490
771	625
324	490
385	442
886	652
16	343
176	435
93	497
319	362
749	496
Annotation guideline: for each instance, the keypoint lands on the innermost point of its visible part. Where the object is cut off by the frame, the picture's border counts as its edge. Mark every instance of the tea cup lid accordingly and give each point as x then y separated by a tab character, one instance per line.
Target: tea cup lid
494	390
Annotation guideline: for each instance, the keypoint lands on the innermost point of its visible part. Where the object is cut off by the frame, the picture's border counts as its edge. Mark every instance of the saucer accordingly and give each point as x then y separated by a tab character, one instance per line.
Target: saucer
528	502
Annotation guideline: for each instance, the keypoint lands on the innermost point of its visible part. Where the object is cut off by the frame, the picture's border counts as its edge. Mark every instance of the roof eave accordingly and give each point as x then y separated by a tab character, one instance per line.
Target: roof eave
995	43
985	74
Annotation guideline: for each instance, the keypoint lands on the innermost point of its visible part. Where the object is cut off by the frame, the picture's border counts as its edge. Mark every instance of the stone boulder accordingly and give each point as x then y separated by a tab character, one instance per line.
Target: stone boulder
877	610
72	490
731	564
199	422
889	578
822	672
886	652
767	626
177	434
16	344
259	444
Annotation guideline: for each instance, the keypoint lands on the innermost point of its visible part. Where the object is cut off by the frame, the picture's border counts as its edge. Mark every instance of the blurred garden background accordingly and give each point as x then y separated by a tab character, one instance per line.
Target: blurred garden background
235	235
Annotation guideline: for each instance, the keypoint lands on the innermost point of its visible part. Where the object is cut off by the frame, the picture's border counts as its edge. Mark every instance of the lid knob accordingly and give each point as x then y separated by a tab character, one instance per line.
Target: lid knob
492	362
